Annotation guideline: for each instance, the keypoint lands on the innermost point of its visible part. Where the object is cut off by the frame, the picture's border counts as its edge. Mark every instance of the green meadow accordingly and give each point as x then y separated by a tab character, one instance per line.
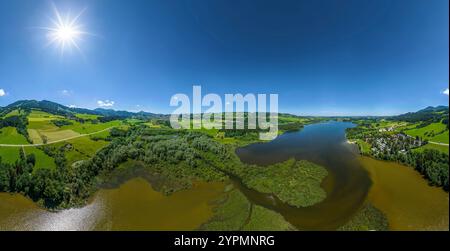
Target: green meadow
433	132
89	127
87	116
9	135
42	159
15	112
9	154
440	148
82	148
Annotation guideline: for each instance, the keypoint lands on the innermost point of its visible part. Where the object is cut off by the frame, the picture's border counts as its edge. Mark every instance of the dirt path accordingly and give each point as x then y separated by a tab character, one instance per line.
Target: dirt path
437	143
56	141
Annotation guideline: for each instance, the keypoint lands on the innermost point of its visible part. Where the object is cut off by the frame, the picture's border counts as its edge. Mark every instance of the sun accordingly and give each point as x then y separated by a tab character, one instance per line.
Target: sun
65	32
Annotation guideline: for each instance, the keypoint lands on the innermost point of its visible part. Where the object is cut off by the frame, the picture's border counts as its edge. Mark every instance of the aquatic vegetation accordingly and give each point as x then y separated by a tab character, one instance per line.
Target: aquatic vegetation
234	212
368	218
294	182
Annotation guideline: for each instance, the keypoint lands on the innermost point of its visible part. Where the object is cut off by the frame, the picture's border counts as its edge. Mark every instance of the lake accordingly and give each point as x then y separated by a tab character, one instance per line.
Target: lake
399	191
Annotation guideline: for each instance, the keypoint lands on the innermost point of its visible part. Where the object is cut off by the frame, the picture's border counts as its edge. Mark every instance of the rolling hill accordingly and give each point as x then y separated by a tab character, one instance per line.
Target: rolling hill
58	109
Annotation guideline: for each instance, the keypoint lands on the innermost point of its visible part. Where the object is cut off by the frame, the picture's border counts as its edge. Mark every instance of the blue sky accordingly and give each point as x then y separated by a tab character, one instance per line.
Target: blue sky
323	57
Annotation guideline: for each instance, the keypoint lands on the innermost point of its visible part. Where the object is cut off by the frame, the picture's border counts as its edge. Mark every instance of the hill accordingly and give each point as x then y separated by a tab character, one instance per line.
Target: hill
428	115
61	110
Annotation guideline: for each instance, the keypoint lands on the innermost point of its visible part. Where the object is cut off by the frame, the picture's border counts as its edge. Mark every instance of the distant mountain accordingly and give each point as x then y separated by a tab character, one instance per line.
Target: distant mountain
429	114
58	109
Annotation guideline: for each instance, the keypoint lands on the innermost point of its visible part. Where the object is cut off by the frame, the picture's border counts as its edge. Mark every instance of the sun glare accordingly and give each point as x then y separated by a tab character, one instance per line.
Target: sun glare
66	32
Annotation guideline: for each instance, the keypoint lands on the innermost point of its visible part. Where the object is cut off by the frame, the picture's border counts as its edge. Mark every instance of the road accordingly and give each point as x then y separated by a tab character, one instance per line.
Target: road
437	143
56	141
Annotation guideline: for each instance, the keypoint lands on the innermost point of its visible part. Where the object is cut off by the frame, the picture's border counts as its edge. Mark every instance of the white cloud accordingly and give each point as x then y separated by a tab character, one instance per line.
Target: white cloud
66	92
445	92
106	103
2	93
72	106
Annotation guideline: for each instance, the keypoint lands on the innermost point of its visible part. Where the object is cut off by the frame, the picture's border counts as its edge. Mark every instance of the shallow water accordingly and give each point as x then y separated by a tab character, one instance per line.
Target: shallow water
406	198
132	206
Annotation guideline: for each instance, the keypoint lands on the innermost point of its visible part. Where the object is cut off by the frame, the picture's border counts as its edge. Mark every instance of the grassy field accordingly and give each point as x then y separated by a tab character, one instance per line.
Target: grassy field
90	127
364	147
440	148
151	125
9	135
36	115
59	135
42	159
40	129
9	154
35	136
82	148
15	112
40	126
441	138
101	135
433	132
87	116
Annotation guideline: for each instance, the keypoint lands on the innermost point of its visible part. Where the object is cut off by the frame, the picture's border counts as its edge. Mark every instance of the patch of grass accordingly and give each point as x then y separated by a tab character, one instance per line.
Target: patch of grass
441	138
15	112
37	115
9	135
133	121
82	148
58	135
9	154
85	128
87	116
440	148
364	147
152	125
35	136
42	159
41	125
431	132
100	136
367	218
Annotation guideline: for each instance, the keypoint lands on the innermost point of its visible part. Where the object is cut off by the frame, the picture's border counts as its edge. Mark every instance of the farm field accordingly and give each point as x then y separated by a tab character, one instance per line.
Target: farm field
40	126
38	130
9	135
37	115
441	138
433	132
9	154
87	116
40	123
85	128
